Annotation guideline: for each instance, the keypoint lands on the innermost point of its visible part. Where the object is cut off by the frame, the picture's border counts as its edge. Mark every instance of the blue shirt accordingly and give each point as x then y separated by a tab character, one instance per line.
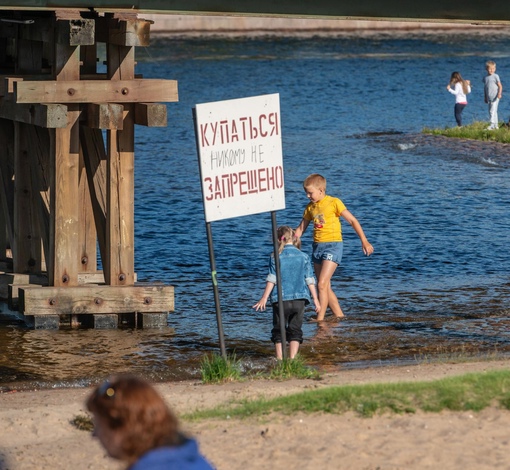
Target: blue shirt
296	272
183	457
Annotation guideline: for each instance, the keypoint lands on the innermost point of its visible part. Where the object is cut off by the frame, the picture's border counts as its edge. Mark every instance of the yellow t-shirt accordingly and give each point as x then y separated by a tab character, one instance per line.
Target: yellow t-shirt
325	217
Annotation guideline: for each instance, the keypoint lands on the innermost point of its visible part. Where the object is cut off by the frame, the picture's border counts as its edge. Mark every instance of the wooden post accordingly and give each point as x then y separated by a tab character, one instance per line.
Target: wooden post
64	213
121	204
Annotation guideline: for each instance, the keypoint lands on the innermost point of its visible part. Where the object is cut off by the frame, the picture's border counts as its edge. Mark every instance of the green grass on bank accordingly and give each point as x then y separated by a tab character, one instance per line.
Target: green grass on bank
215	368
476	131
471	392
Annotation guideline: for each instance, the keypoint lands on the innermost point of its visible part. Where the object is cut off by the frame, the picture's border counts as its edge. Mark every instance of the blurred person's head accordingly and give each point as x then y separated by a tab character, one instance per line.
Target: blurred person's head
131	418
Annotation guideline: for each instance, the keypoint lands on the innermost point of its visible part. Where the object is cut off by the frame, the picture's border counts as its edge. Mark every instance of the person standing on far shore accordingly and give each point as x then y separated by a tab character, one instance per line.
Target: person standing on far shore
460	88
493	91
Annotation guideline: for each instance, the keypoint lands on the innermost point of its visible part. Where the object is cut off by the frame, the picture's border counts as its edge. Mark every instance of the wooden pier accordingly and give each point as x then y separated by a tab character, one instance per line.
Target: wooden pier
67	135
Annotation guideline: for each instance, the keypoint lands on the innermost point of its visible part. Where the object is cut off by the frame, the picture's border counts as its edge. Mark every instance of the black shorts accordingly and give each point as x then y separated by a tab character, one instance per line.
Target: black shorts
294	311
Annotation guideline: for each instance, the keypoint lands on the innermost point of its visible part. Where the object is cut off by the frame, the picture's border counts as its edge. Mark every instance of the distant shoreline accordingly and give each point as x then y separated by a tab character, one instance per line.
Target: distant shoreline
193	25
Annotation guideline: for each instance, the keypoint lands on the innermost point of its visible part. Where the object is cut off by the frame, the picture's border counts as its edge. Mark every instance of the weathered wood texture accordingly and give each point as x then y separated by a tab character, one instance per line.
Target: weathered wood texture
95	91
94	299
64	188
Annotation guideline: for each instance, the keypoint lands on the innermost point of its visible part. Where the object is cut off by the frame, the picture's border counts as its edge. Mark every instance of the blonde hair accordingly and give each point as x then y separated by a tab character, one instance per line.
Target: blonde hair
285	235
135	411
490	63
315	180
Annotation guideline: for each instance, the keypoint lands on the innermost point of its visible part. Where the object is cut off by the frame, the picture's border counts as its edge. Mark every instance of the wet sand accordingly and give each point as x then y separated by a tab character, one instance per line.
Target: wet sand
36	432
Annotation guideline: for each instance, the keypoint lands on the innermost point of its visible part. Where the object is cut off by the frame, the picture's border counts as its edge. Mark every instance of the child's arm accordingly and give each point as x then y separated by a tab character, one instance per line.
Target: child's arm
313	291
500	90
368	249
261	304
301	228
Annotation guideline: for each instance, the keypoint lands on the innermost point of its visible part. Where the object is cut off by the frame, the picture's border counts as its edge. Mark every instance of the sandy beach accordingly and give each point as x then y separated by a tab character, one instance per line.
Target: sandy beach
36	432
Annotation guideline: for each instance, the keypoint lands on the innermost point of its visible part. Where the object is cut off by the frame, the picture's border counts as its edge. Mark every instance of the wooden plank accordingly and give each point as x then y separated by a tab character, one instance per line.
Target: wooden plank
39	154
29	56
7	175
51	116
26	245
105	116
96	91
64	256
75	32
120	232
131	32
3	232
95	299
151	114
94	157
87	230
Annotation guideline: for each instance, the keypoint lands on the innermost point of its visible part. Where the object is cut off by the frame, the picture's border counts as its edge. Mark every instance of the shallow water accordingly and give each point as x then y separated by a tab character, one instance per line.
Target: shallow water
435	210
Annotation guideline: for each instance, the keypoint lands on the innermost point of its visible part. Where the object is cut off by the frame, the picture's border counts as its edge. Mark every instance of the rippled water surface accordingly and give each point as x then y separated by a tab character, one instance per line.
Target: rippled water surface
435	209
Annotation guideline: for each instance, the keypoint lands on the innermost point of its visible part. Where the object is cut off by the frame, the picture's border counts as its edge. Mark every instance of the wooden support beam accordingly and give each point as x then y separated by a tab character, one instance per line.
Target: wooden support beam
50	116
3	232
123	32
7	175
39	155
87	225
105	116
26	246
151	114
94	158
120	210
29	56
96	91
95	300
75	32
64	257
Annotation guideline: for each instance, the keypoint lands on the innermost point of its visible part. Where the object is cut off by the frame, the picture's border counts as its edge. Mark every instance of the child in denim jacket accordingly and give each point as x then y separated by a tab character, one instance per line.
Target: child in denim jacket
298	282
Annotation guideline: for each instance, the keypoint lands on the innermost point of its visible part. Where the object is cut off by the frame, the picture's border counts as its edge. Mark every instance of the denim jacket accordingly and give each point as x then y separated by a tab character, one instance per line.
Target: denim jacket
296	272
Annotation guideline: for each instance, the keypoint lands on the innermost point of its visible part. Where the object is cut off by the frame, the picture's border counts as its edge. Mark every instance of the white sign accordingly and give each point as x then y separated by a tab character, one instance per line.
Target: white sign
240	153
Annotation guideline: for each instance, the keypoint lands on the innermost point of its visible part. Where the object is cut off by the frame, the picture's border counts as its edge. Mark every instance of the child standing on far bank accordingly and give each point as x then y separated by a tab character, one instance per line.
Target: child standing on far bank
325	212
492	90
298	282
460	88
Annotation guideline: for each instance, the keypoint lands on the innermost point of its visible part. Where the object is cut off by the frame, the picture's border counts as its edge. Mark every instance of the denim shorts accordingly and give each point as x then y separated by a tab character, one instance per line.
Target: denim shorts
328	251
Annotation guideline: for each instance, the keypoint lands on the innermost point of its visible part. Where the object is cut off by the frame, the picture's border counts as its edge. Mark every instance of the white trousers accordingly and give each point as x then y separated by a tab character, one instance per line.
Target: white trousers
493	113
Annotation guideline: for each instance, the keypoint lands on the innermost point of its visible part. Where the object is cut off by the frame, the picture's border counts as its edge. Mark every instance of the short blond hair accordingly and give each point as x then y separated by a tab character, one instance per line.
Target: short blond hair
490	63
315	180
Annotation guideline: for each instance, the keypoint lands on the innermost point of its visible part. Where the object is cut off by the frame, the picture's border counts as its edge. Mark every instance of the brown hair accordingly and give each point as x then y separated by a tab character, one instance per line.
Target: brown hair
315	180
133	409
457	78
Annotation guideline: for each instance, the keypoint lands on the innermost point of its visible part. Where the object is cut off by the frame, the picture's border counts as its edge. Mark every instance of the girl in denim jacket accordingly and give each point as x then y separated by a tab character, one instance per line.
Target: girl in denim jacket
298	282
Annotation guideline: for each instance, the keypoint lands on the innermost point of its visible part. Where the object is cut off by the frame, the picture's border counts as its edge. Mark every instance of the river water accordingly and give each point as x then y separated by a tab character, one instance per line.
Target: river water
353	108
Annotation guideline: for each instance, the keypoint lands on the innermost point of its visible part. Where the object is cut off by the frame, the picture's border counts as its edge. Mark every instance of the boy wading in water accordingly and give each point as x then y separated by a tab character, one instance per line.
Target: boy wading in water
325	212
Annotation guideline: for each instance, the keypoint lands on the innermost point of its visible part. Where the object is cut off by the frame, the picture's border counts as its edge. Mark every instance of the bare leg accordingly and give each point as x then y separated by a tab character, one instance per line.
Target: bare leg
279	352
294	347
327	297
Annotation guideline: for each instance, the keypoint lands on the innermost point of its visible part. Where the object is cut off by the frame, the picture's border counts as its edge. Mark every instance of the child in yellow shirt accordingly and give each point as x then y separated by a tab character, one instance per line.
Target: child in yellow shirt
325	212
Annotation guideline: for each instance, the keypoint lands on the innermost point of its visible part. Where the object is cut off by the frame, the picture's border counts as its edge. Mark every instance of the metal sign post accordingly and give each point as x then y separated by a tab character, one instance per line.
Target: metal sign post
279	284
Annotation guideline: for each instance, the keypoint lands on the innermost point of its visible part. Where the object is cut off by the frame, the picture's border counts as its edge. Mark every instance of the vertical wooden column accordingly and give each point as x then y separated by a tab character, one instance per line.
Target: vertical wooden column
26	246
7	175
88	232
64	214
121	187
